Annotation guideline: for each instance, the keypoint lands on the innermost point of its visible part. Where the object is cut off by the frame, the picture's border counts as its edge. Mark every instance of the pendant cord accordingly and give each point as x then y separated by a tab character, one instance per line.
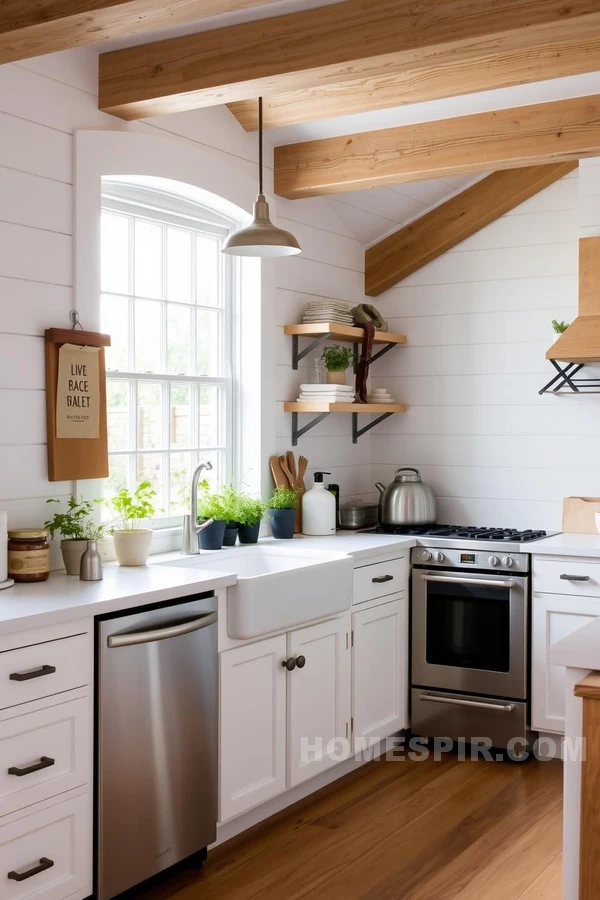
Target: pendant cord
260	145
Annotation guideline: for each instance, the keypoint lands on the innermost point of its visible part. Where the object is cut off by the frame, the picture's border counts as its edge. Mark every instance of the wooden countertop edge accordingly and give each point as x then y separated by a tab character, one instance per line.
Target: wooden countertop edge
589	687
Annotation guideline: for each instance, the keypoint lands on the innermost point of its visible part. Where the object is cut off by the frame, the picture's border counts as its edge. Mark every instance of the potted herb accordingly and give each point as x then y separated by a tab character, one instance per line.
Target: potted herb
231	499
250	514
132	543
282	512
213	505
337	359
76	527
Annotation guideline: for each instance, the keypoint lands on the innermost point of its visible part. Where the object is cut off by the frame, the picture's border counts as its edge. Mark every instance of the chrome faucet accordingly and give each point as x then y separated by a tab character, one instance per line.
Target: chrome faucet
191	529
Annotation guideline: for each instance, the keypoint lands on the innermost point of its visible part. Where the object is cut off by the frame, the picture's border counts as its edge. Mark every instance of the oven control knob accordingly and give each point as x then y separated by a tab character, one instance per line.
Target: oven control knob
493	561
425	555
439	556
507	561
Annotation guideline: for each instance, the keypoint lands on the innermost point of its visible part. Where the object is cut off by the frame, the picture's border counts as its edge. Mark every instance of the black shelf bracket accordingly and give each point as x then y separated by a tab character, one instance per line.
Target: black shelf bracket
566	382
380	353
358	432
298	432
297	354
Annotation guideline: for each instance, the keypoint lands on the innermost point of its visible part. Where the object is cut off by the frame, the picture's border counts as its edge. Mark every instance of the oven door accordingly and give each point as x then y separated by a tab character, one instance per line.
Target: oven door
469	632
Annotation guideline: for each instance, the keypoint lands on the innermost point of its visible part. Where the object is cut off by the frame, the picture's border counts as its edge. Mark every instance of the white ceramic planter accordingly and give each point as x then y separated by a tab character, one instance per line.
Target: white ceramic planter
72	551
133	547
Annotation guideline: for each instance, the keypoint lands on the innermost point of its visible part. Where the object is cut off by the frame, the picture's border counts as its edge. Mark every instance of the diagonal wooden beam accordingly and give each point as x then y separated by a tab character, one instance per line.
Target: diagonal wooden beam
508	138
447	78
410	248
33	27
327	45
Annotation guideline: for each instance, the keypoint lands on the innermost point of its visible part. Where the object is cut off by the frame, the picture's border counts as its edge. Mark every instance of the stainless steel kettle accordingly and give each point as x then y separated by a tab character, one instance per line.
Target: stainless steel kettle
407	501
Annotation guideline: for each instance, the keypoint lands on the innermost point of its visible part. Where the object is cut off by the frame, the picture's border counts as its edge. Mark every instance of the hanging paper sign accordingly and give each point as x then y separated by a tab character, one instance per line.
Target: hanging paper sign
78	392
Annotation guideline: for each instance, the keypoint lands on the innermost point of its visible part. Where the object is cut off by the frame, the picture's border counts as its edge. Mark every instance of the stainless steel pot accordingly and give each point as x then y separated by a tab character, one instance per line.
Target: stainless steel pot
407	501
358	515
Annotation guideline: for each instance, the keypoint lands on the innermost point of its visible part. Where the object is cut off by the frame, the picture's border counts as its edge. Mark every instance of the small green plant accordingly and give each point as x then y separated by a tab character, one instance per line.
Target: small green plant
132	509
77	523
212	504
283	498
250	510
559	327
336	358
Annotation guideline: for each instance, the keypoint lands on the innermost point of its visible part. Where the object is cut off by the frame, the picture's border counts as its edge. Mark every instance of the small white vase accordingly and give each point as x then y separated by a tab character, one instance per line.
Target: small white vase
133	547
72	551
336	378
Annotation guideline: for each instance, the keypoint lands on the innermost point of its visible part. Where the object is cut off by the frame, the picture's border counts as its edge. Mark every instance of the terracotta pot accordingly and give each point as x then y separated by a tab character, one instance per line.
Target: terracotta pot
72	551
336	378
133	547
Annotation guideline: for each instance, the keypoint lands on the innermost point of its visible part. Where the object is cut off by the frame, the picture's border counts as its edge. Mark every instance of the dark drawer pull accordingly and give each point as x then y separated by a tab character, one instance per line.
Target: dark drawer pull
35	673
575	577
381	579
44	763
44	864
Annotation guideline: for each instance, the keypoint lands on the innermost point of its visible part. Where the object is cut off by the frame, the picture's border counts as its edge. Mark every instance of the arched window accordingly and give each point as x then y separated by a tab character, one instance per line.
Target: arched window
169	302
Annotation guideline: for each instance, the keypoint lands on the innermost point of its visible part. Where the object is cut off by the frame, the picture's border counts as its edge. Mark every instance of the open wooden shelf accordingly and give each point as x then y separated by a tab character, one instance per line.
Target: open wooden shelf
347	333
314	407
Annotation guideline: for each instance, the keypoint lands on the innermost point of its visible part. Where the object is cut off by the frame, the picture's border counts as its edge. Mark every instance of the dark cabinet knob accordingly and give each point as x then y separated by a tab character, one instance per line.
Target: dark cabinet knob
44	763
44	864
289	664
301	661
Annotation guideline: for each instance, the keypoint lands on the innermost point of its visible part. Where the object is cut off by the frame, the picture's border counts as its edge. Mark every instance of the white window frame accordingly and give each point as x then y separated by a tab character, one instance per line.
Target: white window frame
167	209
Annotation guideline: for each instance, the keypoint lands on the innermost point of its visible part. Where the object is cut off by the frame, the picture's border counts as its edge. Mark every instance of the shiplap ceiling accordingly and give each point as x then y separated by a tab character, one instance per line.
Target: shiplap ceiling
373	214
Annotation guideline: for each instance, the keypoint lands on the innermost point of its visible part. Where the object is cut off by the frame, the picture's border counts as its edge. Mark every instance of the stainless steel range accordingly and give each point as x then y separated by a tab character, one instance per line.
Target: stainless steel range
470	636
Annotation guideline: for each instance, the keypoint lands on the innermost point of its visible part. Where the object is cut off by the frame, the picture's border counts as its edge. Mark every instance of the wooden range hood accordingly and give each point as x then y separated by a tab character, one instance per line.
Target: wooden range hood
580	343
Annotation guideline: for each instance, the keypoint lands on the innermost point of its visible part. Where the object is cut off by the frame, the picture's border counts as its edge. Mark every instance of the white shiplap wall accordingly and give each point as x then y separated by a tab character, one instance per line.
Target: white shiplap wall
478	326
42	103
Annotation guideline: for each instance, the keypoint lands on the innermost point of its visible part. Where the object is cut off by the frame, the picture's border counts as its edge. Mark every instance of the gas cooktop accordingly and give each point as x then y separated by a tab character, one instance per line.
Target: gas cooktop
461	536
463	532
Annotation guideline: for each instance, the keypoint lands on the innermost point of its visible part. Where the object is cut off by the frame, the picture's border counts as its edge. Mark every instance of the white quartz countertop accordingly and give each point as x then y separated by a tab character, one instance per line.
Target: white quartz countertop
579	650
566	544
64	597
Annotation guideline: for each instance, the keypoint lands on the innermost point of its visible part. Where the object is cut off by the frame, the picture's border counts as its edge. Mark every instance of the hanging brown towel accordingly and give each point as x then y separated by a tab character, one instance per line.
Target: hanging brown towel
362	372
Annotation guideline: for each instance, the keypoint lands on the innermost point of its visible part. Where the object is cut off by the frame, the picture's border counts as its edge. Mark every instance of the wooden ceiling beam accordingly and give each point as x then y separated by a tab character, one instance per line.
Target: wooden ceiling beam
447	78
34	27
505	139
327	45
413	246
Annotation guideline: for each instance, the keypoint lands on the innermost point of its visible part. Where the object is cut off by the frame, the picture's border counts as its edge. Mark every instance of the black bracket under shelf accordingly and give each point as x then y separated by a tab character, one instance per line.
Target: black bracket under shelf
565	381
356	431
298	354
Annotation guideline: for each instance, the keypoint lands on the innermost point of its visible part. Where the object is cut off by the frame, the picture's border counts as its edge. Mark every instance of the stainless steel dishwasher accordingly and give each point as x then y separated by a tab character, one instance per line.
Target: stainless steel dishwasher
156	740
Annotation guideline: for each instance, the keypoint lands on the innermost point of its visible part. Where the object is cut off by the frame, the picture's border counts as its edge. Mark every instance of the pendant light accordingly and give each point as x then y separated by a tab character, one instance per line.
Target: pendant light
261	237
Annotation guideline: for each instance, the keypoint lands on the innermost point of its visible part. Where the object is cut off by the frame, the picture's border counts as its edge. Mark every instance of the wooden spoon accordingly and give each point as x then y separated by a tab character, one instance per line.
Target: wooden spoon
291	461
286	471
302	467
277	472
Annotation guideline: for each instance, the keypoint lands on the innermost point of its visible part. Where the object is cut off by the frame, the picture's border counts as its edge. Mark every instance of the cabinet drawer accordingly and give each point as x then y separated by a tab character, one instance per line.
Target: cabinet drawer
41	670
380	579
60	835
44	753
570	575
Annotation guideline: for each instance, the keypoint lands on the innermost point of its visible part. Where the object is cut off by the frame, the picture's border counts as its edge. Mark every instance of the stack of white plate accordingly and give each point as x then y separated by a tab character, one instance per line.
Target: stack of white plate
380	395
326	393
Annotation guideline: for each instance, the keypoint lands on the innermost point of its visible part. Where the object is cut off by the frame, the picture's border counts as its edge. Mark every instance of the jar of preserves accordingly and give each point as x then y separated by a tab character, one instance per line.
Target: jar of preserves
28	555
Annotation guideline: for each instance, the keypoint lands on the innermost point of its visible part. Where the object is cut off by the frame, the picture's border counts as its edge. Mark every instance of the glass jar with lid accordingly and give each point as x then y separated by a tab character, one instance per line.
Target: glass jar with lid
28	555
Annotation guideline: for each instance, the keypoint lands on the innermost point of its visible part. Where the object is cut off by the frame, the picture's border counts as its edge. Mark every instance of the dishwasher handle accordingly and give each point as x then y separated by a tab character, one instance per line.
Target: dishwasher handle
162	634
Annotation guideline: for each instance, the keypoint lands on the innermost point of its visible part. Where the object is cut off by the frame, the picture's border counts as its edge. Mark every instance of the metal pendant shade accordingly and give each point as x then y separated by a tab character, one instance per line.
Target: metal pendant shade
261	237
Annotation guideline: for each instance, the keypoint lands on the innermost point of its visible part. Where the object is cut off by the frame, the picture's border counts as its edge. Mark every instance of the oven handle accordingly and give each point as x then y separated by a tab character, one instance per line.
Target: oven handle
477	704
478	582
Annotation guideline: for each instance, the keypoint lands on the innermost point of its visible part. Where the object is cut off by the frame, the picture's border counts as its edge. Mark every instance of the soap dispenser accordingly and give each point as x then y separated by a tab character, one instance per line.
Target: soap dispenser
318	509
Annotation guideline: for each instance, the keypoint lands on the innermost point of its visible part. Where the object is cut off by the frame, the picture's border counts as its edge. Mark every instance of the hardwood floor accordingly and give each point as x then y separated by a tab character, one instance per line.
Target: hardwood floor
395	830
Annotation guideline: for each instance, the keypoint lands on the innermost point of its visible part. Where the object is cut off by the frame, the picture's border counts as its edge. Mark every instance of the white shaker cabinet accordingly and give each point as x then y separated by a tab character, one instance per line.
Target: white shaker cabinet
252	725
380	670
555	616
318	691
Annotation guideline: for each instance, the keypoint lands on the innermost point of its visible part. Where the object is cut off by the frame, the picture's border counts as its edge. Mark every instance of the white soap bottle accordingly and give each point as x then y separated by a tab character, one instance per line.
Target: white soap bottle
318	509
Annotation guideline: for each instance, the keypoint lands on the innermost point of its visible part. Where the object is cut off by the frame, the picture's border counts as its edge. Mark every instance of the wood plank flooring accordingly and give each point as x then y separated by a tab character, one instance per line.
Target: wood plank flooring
395	830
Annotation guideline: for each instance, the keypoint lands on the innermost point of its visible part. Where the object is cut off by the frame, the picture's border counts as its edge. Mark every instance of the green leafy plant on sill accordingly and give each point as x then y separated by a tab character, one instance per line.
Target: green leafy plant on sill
560	327
283	498
77	522
132	509
250	509
212	504
337	359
